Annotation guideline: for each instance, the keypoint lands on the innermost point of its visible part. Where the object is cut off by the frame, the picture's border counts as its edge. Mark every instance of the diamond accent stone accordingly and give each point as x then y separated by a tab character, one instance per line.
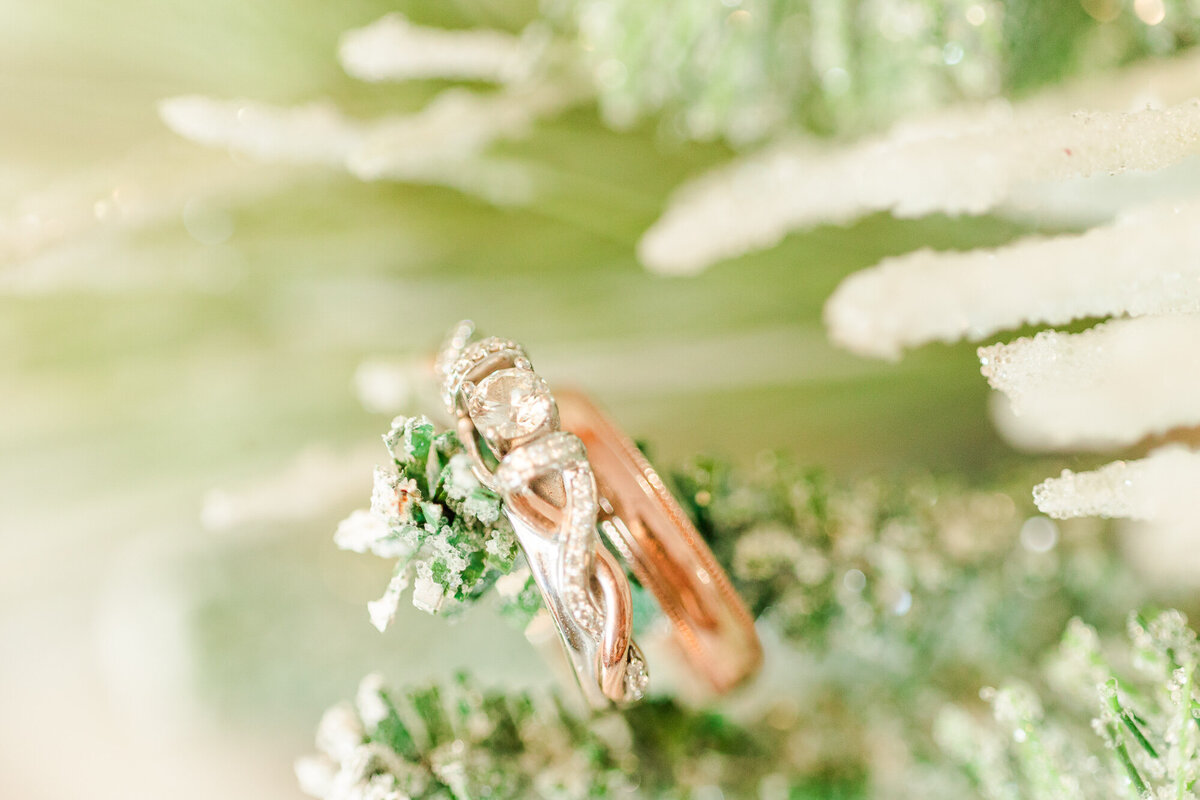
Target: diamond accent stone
637	678
510	404
460	359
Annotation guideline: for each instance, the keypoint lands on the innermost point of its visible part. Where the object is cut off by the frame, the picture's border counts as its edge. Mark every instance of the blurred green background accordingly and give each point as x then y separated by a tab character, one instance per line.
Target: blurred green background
141	369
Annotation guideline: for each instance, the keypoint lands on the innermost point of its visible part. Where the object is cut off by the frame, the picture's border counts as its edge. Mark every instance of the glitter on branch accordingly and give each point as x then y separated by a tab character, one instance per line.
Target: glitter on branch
1159	487
1141	704
1111	385
430	513
912	171
1146	262
456	740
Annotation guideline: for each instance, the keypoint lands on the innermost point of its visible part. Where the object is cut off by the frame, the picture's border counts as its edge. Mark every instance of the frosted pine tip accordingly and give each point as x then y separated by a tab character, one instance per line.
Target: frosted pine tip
914	170
393	48
1111	385
1146	262
1158	487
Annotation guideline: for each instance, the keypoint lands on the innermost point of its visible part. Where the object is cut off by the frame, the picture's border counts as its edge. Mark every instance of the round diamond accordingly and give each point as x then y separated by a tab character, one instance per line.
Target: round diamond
512	403
636	678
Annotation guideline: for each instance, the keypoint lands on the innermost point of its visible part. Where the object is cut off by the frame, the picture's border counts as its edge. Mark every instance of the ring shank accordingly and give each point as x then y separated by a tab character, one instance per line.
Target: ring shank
665	551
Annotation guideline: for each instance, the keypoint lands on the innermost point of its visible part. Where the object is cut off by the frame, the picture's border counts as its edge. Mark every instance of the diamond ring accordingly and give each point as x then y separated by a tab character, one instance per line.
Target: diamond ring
547	476
665	552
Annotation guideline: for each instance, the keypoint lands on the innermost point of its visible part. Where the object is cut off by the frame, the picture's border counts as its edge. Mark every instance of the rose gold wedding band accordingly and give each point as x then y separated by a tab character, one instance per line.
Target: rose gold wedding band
665	551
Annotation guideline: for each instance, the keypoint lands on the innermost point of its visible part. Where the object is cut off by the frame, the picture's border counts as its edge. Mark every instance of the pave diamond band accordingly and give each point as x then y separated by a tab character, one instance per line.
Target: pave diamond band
556	451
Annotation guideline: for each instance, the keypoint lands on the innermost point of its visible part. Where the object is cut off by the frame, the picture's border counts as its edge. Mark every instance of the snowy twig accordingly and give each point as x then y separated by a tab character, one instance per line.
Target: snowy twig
1144	719
1113	384
393	48
443	144
430	513
1160	487
966	166
1147	262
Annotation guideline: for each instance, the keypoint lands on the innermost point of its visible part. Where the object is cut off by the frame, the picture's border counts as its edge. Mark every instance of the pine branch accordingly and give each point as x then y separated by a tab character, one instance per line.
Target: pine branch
1143	263
430	513
885	578
1144	711
894	600
742	71
459	741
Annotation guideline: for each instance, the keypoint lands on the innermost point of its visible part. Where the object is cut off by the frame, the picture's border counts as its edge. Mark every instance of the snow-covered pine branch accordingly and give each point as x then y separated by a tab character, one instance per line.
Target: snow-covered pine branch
442	144
393	48
1111	385
1160	487
1146	262
968	165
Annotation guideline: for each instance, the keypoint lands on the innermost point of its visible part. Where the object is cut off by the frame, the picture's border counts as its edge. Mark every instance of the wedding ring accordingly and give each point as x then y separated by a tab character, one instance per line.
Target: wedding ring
560	480
665	552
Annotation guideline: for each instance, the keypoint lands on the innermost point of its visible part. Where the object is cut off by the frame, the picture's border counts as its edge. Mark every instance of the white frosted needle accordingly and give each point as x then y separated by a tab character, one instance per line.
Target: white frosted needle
956	166
1160	487
1146	262
393	48
1111	385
